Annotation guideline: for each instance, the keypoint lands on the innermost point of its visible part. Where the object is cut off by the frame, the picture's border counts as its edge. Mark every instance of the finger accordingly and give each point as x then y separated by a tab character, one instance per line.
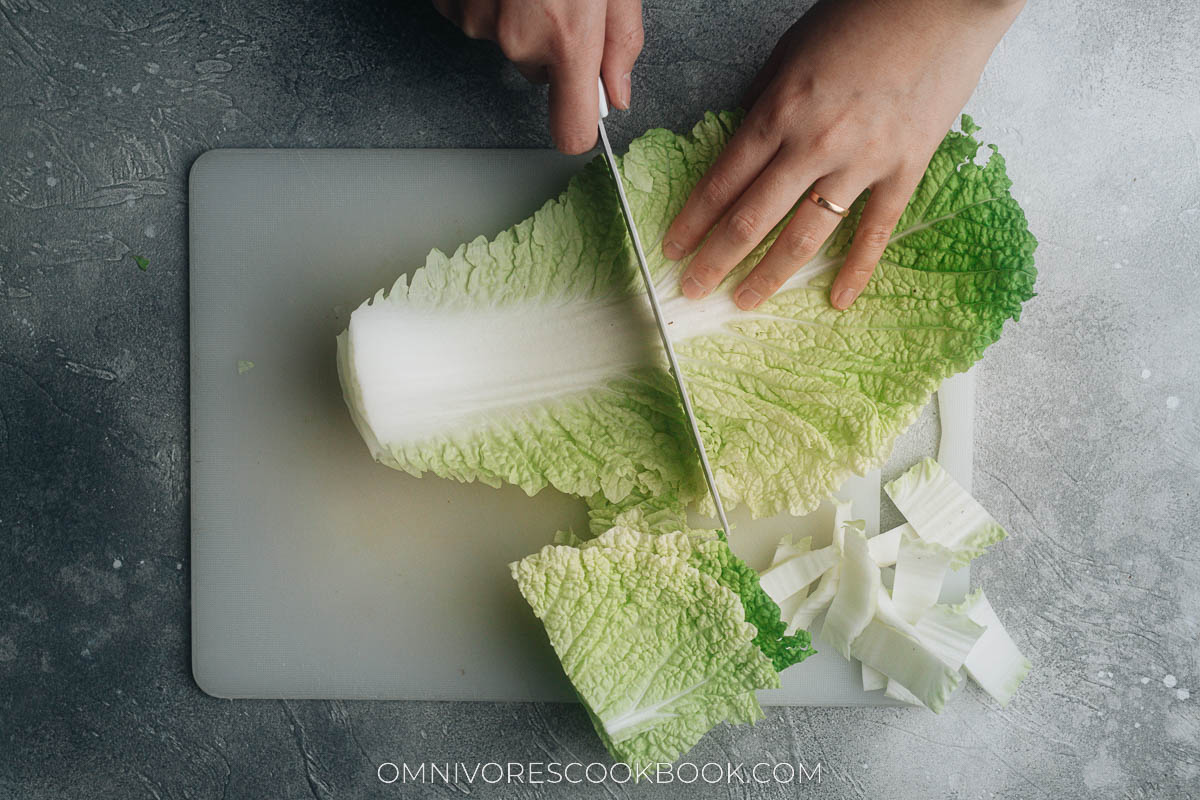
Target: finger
477	21
800	240
884	207
575	100
752	147
450	9
532	71
745	225
623	39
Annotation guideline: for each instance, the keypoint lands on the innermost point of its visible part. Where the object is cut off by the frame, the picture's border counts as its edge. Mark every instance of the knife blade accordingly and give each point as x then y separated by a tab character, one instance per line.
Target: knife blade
652	295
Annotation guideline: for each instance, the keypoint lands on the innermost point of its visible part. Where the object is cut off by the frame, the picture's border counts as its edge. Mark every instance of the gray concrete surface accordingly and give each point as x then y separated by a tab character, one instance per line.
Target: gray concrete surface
1089	443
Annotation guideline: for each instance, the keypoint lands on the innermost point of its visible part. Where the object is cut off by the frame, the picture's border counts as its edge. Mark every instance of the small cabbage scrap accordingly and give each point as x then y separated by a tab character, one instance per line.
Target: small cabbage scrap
658	651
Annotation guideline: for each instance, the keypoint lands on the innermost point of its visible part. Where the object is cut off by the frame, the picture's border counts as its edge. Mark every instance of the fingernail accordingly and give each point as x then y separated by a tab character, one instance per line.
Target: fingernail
626	89
844	298
672	250
748	299
693	289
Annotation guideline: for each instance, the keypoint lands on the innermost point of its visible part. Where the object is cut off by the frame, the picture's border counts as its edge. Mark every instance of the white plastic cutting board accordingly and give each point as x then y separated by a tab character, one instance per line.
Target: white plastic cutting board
317	573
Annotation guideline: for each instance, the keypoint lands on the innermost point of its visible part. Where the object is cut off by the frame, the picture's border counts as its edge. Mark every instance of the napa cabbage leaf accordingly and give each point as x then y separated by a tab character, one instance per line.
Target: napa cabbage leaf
532	359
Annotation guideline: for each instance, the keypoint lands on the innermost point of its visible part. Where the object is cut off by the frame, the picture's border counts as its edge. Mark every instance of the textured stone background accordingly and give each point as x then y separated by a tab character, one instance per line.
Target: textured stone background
1089	435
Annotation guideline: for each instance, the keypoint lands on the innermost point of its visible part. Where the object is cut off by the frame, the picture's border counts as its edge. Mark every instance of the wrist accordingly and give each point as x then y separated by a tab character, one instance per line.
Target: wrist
989	14
983	22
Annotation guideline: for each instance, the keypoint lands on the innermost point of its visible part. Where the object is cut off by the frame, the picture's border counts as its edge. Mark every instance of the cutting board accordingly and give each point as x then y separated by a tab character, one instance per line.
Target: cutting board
317	573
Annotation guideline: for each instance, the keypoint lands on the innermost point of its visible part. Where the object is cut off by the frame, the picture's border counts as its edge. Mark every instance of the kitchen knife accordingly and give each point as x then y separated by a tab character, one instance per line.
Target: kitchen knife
658	316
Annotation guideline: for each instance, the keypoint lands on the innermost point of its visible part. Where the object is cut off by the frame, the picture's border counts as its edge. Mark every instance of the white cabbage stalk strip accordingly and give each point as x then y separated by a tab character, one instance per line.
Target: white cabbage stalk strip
941	511
854	603
906	661
816	602
894	690
886	546
994	662
790	584
884	549
789	548
887	613
949	634
920	572
794	575
843	514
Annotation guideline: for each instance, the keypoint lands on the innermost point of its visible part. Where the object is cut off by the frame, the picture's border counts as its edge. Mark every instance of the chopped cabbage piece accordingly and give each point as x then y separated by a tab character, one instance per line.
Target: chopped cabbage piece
854	603
948	633
886	546
920	573
873	679
795	574
816	602
994	662
941	511
905	660
787	548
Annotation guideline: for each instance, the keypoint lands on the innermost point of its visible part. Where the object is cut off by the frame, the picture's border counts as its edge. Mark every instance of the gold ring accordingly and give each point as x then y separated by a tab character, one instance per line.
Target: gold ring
841	211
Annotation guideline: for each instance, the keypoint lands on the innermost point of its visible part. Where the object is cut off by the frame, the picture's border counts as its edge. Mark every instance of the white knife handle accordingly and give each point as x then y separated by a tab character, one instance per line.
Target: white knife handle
603	101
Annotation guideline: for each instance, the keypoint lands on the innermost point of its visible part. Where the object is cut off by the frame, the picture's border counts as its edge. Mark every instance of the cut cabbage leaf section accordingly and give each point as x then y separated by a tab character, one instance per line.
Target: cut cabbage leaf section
942	512
950	633
657	651
995	663
710	553
939	638
532	358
